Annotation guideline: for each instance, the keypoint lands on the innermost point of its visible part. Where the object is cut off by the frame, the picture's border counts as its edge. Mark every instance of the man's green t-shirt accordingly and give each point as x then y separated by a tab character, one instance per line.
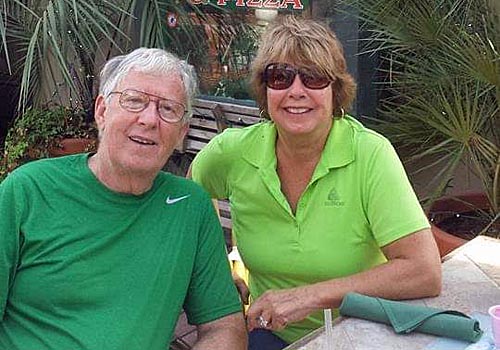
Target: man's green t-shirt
83	267
358	200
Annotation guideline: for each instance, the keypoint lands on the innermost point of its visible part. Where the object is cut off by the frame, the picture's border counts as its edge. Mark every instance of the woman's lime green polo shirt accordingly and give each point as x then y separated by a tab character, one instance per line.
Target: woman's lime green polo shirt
358	200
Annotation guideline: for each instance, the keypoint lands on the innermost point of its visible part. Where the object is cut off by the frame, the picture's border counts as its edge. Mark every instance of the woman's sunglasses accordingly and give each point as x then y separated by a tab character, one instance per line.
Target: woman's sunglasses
280	76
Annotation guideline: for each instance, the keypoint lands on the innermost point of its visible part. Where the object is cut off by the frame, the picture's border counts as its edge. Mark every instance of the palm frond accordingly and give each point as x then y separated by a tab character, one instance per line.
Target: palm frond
53	45
441	64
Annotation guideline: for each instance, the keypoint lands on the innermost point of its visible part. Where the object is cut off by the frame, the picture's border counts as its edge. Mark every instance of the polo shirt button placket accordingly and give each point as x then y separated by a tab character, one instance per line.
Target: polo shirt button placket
300	210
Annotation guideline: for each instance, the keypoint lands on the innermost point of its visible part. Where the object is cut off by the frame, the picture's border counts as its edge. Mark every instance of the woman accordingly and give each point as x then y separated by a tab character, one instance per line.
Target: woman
321	206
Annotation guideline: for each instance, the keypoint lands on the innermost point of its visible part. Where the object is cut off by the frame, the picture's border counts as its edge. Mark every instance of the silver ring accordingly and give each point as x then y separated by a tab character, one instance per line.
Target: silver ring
262	322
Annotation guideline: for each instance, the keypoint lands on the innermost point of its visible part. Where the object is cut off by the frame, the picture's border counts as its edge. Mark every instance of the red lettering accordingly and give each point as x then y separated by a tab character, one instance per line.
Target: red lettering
254	3
239	3
297	4
271	4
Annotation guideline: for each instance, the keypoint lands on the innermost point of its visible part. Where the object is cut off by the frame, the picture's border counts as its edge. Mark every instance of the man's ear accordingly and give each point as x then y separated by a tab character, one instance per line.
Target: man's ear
182	135
184	131
99	110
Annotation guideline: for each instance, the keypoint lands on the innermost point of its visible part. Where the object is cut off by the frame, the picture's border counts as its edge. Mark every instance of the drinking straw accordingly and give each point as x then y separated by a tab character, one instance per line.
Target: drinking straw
328	328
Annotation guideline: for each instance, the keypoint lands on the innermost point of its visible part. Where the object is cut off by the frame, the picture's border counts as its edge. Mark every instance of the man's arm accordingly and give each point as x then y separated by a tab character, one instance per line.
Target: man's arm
238	280
10	204
226	333
413	270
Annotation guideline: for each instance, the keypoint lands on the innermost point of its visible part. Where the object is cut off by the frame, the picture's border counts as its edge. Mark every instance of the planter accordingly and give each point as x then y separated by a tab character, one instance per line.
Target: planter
446	242
447	208
73	146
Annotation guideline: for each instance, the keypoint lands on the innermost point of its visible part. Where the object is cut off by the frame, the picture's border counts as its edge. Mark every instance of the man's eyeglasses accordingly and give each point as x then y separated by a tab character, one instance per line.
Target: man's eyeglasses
280	76
137	101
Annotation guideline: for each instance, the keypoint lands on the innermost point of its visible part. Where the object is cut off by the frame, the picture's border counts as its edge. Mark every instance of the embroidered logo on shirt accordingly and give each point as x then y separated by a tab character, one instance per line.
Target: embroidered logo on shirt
175	200
334	199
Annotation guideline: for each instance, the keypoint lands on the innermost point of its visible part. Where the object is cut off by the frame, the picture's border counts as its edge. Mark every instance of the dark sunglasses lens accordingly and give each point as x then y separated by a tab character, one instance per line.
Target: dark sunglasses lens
279	77
314	81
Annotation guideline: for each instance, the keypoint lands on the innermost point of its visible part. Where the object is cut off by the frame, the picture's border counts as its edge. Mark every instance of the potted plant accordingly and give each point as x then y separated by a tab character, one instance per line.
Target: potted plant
440	91
43	132
464	215
78	134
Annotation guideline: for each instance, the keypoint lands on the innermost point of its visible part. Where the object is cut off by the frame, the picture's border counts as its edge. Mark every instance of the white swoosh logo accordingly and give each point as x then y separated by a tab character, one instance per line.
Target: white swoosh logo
175	200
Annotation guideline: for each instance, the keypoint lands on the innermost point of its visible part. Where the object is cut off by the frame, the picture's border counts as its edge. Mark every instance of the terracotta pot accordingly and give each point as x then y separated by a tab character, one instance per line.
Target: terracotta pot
446	242
446	207
73	146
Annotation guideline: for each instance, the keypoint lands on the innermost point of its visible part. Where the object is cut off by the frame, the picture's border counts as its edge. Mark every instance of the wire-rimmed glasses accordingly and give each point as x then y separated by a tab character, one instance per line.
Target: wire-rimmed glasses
137	101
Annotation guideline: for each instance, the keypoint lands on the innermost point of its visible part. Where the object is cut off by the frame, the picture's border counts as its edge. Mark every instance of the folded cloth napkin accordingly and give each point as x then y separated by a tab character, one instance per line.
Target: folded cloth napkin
406	318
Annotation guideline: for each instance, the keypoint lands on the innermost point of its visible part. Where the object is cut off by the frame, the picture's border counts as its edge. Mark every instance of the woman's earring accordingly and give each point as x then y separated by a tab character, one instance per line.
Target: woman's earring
342	115
264	115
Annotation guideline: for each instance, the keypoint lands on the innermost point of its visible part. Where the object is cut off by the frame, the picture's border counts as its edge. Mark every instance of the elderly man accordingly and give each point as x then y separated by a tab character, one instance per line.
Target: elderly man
102	251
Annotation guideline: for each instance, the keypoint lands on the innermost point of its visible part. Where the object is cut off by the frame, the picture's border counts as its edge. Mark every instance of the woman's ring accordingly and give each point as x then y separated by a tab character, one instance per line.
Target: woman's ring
262	322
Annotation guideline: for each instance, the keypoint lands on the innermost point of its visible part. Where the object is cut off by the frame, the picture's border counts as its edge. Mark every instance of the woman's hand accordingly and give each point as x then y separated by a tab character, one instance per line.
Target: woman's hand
277	308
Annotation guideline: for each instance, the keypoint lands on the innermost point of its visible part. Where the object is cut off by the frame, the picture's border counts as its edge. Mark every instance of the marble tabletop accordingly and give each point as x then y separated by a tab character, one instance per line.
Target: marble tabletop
471	283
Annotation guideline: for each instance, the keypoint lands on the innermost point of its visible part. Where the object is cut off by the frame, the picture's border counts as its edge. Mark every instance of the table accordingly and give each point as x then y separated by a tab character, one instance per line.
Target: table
471	283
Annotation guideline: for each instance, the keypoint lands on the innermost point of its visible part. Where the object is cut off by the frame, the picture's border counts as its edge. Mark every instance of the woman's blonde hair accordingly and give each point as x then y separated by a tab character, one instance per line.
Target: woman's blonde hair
303	43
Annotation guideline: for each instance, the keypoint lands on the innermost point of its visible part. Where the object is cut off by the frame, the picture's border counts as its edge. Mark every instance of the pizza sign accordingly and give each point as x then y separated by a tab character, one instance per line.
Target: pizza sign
268	4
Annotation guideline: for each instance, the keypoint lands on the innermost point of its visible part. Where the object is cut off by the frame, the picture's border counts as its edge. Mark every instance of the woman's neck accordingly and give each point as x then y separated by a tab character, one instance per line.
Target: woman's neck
297	158
304	148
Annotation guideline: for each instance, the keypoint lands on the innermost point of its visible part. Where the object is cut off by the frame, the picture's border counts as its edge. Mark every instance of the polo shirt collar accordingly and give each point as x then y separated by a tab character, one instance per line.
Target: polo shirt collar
339	148
338	152
261	152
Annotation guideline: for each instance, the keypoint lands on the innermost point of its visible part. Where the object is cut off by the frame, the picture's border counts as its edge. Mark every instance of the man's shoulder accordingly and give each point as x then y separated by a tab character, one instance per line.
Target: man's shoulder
47	166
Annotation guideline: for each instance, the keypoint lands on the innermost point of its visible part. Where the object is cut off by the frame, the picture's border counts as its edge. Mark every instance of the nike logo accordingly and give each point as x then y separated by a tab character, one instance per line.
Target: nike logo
175	200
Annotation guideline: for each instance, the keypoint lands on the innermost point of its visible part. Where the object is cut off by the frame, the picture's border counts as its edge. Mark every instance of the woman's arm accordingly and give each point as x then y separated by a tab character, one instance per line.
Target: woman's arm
413	270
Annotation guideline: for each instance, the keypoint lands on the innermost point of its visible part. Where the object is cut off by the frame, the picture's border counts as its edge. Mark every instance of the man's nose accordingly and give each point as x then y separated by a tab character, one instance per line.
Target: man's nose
150	114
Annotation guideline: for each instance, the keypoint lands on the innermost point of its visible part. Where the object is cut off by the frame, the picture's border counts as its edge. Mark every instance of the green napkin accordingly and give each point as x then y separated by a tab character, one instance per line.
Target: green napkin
406	318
